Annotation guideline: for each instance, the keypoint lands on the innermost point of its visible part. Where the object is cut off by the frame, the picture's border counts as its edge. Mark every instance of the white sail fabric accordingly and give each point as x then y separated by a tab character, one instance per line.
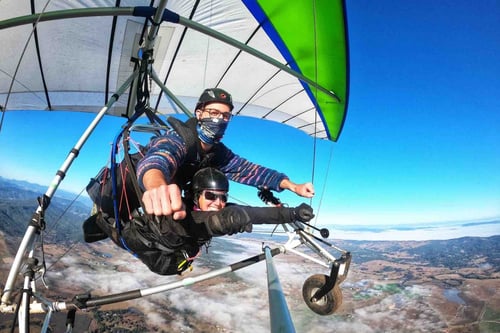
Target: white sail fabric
79	63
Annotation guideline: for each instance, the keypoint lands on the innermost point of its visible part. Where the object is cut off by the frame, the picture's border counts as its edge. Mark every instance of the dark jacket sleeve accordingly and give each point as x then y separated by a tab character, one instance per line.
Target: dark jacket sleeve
232	219
235	218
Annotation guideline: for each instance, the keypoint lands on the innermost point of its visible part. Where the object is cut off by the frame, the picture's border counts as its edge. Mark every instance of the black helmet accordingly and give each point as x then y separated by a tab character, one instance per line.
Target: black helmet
209	179
215	95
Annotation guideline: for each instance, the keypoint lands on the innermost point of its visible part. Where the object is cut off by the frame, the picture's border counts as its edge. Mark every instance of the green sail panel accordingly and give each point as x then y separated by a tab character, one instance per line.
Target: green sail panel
312	36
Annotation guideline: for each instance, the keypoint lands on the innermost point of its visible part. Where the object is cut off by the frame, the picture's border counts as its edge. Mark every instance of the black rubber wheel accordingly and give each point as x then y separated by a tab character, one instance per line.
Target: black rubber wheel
327	304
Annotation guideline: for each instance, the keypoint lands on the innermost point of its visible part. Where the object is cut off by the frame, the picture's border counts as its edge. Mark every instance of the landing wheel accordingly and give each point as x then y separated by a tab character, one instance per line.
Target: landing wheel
327	304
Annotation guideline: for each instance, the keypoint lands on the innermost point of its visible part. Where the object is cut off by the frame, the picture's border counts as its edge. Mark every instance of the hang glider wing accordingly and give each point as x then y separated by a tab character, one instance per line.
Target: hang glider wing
69	62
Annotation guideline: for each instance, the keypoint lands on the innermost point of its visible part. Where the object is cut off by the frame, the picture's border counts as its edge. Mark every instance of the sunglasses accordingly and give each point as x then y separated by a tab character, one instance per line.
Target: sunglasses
214	196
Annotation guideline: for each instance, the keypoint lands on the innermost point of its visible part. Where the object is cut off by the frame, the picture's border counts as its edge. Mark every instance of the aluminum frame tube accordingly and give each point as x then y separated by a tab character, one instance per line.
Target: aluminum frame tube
281	320
29	236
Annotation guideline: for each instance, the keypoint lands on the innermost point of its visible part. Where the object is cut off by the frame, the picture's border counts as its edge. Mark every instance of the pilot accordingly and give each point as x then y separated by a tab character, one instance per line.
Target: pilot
169	246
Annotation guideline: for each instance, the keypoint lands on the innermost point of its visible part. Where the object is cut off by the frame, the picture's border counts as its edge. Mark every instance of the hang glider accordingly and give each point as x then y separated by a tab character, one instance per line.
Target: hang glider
282	61
76	55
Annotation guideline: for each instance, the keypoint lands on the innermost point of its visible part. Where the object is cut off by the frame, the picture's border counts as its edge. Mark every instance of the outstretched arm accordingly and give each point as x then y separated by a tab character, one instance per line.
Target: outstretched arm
154	173
235	218
245	172
305	190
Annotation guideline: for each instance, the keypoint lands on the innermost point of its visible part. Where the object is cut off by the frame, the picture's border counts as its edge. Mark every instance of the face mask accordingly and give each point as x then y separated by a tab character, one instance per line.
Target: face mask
211	130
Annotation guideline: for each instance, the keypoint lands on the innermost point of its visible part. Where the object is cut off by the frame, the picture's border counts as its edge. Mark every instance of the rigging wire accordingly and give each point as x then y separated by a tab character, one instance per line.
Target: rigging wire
62	255
323	190
316	106
4	107
39	58
110	54
53	228
208	48
174	57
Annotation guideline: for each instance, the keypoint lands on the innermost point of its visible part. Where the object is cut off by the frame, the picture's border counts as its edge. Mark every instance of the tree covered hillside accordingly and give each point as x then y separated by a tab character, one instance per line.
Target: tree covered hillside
63	217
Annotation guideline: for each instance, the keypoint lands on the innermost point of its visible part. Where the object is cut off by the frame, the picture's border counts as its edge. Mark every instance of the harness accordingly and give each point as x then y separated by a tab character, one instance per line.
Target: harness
196	158
117	195
188	134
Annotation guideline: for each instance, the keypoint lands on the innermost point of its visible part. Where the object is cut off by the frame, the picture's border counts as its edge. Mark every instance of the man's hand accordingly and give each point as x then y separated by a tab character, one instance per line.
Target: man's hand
305	190
164	200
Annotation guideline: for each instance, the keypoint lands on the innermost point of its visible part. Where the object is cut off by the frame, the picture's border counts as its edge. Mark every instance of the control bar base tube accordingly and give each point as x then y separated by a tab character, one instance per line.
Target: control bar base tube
32	230
85	302
281	320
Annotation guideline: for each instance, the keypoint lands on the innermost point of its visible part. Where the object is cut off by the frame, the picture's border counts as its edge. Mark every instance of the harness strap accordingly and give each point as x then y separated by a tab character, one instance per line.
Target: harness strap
131	166
189	136
186	133
152	244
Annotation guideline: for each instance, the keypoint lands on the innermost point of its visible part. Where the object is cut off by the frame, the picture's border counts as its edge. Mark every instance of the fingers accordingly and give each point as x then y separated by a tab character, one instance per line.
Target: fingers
174	193
157	201
180	214
147	201
176	203
164	200
305	190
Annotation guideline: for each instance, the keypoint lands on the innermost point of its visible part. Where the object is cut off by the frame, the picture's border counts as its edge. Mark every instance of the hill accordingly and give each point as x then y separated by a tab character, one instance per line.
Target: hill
392	286
64	215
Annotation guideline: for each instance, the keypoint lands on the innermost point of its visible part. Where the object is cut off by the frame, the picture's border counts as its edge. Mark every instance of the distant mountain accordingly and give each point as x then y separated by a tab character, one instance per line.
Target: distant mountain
451	253
411	227
63	217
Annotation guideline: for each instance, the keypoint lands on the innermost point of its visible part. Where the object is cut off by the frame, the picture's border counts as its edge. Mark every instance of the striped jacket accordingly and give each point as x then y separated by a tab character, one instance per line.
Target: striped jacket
169	154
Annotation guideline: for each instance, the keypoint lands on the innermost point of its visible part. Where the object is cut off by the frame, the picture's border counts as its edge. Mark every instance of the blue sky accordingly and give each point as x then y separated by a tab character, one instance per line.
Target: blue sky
420	143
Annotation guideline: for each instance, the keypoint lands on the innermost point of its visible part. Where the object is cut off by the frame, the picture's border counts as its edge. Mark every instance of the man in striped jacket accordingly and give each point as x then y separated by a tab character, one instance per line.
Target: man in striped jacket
172	159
